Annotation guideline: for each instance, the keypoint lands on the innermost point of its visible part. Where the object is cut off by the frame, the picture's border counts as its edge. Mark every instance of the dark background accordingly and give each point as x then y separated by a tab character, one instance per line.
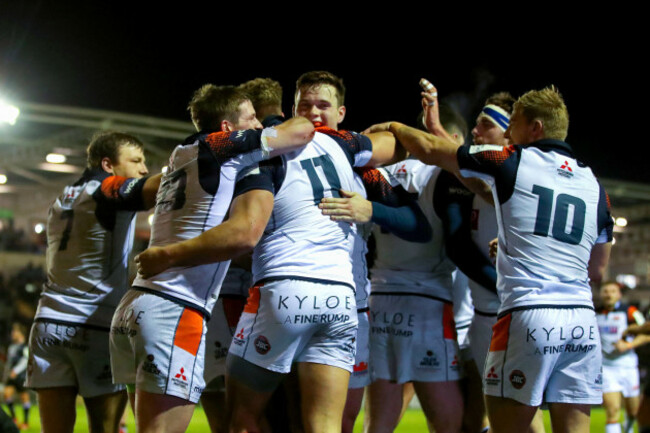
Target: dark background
149	58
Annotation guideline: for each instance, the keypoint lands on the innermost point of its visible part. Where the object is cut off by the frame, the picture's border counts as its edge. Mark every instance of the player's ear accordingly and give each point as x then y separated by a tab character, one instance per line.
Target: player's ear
107	165
537	128
227	126
341	111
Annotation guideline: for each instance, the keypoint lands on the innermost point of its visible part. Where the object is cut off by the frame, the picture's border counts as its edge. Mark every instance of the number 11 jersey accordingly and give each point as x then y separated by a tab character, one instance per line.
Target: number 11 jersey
551	210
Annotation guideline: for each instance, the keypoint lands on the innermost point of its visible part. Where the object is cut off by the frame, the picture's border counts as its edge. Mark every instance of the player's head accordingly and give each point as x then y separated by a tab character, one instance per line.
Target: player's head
610	293
117	153
222	108
319	97
539	114
18	333
493	121
266	96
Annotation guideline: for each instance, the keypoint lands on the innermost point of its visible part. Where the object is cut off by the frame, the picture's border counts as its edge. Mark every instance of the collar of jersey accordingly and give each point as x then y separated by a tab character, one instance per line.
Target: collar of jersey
548	144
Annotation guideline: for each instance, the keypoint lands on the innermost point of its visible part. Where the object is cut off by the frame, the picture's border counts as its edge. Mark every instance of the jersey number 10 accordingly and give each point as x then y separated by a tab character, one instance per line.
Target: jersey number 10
562	204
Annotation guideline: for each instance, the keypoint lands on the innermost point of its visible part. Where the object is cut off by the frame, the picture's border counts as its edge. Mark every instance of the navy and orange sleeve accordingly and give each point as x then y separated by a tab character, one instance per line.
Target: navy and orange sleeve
123	193
267	175
357	147
499	163
227	145
393	208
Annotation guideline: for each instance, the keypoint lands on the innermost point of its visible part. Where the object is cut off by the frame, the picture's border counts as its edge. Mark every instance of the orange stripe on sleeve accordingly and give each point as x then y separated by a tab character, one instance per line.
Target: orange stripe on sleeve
189	331
448	323
111	186
500	334
630	314
253	302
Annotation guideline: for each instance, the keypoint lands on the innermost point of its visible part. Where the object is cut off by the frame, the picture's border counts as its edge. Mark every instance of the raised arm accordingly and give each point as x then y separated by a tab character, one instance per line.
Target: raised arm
385	149
249	214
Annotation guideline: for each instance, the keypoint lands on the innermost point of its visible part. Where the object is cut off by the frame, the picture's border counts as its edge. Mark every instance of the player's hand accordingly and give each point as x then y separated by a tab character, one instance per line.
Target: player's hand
152	261
379	127
351	207
631	330
431	109
494	248
622	346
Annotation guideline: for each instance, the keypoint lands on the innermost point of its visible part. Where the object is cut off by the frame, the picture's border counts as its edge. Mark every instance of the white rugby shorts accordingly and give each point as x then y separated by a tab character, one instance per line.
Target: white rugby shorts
286	321
550	355
413	338
158	345
621	379
480	335
70	355
360	376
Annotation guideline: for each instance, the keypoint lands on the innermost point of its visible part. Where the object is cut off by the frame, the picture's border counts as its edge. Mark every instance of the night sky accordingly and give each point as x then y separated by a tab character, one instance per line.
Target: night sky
149	60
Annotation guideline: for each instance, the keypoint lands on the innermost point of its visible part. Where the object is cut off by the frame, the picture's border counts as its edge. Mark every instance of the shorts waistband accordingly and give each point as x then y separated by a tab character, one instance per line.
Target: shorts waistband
484	314
205	313
75	324
422	295
301	278
538	307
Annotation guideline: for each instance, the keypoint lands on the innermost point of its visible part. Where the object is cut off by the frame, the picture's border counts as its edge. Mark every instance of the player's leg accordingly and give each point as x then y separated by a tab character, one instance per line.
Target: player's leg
352	409
56	407
105	411
537	426
383	405
507	415
631	410
569	418
442	404
27	405
248	390
612	406
9	393
214	406
161	413
474	417
322	391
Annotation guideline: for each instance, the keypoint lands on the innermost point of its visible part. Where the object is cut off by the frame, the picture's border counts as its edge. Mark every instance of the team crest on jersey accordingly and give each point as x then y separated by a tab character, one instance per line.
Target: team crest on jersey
565	170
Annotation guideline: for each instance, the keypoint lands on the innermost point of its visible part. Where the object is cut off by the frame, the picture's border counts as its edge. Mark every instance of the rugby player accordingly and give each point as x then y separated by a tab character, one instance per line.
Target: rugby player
555	232
158	330
620	362
90	230
15	373
303	255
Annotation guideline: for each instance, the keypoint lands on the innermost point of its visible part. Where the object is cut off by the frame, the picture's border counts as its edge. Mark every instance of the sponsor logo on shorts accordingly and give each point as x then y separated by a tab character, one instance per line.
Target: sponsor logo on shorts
360	368
454	364
555	335
396	324
262	345
51	341
198	389
430	360
105	375
219	350
517	379
238	340
317	318
180	379
492	378
150	366
124	330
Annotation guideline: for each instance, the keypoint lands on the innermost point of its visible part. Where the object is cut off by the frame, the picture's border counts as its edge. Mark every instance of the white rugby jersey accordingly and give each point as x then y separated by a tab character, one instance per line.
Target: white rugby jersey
299	242
484	229
550	211
358	251
408	267
611	324
194	196
89	238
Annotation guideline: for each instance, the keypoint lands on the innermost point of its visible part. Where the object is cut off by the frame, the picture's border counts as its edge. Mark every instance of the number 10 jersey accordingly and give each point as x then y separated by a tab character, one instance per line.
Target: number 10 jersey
551	210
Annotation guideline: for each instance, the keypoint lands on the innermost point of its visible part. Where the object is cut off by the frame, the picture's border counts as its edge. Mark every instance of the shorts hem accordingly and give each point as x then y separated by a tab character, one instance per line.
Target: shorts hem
342	365
157	390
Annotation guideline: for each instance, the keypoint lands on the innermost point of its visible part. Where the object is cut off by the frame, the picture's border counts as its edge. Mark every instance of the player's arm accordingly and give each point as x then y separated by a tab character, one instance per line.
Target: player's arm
637	330
249	214
389	206
601	250
598	261
289	136
130	193
428	148
385	149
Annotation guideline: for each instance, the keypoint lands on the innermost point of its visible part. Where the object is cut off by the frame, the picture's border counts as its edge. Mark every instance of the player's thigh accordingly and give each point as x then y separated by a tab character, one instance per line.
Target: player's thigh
612	405
56	407
323	389
156	413
105	411
384	402
442	403
569	418
214	406
507	415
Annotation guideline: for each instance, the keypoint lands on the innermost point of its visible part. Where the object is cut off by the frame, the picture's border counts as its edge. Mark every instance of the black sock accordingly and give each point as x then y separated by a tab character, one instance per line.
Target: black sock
10	406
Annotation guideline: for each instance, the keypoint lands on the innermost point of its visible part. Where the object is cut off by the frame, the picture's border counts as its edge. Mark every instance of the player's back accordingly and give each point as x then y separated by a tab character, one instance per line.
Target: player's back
194	196
299	241
548	227
89	242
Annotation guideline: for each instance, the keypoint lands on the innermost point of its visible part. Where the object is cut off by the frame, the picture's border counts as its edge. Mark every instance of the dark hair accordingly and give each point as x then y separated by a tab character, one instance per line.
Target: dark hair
212	104
106	144
501	99
319	78
450	119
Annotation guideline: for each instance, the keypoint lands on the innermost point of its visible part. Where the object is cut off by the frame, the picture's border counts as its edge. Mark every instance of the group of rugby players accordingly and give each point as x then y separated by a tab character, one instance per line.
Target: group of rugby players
302	196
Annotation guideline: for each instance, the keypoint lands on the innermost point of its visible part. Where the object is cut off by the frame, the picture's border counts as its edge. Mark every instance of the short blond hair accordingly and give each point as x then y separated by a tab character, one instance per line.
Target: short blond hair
546	105
263	92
